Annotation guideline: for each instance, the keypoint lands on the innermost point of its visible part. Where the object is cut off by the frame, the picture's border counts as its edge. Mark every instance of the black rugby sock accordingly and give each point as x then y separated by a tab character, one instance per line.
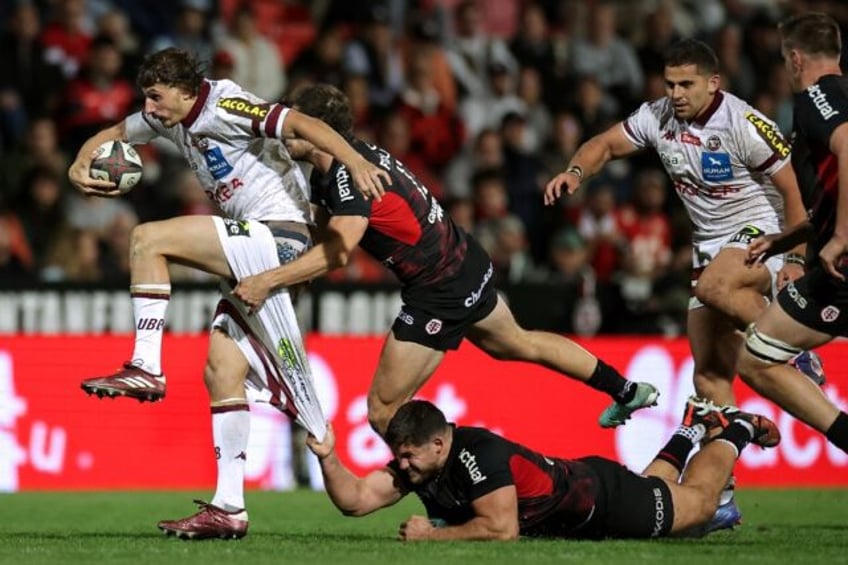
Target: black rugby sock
837	433
608	380
678	448
739	434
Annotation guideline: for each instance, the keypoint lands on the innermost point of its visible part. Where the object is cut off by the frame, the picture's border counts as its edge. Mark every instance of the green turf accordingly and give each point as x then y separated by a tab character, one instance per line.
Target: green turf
781	526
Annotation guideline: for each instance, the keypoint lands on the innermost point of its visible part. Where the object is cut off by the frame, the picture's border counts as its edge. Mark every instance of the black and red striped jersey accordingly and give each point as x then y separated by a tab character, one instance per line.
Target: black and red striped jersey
818	111
408	230
555	496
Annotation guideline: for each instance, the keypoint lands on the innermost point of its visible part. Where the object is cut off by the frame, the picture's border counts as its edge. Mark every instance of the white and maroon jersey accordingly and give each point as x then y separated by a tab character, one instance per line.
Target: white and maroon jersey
231	140
719	163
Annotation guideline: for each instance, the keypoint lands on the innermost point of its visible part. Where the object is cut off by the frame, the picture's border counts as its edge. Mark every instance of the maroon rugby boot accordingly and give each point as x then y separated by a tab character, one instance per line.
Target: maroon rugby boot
210	523
130	381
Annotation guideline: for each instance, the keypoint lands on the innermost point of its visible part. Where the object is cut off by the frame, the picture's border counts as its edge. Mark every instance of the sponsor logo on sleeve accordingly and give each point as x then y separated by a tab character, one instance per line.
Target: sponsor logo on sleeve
244	108
343	185
716	166
470	461
820	101
769	134
218	166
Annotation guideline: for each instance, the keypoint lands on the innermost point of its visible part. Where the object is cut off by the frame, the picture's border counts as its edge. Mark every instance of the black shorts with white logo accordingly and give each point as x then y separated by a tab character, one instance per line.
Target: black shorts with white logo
629	505
818	301
438	315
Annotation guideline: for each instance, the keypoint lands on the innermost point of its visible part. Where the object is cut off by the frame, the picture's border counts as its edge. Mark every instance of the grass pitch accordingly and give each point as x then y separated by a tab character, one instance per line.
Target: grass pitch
780	526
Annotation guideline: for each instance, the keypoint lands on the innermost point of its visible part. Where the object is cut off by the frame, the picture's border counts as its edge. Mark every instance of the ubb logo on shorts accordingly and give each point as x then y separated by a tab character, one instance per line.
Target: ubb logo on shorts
638	441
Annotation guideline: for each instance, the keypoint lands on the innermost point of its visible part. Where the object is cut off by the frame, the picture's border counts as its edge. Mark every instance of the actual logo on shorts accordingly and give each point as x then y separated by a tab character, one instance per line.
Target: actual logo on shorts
829	313
716	166
405	318
713	143
244	108
770	134
237	227
433	327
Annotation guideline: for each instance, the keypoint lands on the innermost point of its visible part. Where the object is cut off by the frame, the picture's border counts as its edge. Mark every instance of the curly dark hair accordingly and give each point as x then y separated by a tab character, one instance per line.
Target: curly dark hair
325	102
171	67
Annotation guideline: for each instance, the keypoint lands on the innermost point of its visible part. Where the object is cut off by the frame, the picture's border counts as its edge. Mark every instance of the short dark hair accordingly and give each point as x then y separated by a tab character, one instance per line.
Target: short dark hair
171	67
692	52
325	102
415	423
814	33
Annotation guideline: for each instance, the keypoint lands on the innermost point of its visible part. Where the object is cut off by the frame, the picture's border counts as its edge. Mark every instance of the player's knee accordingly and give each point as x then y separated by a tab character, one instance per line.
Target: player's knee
711	288
141	239
379	415
759	353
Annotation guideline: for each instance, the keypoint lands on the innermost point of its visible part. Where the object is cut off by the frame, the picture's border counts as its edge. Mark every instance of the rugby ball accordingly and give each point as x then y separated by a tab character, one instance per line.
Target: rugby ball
118	162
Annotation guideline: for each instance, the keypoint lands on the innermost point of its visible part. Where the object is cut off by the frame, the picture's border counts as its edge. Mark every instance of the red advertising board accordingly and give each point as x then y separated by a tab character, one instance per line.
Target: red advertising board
52	436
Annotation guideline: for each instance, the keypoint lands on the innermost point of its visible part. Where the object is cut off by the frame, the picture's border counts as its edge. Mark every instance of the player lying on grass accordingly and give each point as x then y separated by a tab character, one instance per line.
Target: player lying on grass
477	485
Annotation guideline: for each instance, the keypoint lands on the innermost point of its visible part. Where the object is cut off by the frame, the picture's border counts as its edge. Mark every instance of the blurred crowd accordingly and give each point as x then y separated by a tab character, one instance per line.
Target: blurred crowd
484	100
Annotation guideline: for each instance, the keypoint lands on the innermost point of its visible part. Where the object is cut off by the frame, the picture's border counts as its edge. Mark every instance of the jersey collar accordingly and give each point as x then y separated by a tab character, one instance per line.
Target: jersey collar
198	105
711	109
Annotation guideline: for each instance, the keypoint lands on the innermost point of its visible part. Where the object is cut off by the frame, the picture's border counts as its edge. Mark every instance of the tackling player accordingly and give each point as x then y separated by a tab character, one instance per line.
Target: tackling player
477	485
448	292
730	167
812	310
231	140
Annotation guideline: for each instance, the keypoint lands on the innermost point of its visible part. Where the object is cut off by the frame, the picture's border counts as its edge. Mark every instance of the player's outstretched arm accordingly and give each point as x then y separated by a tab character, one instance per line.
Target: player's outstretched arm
495	518
341	237
588	160
79	171
370	179
353	495
794	214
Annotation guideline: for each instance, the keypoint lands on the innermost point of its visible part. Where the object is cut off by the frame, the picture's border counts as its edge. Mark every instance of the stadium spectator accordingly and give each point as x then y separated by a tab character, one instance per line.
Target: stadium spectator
258	66
67	36
192	31
446	279
436	132
322	61
375	55
486	152
73	257
42	211
40	149
473	53
478	485
97	97
607	57
27	80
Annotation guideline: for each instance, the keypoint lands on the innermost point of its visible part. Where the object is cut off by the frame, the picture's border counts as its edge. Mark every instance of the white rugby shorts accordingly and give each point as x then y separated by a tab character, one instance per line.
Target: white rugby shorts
705	251
270	339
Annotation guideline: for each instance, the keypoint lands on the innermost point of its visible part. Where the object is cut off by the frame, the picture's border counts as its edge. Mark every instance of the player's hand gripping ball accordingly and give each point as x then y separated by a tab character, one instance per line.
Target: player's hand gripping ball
118	162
